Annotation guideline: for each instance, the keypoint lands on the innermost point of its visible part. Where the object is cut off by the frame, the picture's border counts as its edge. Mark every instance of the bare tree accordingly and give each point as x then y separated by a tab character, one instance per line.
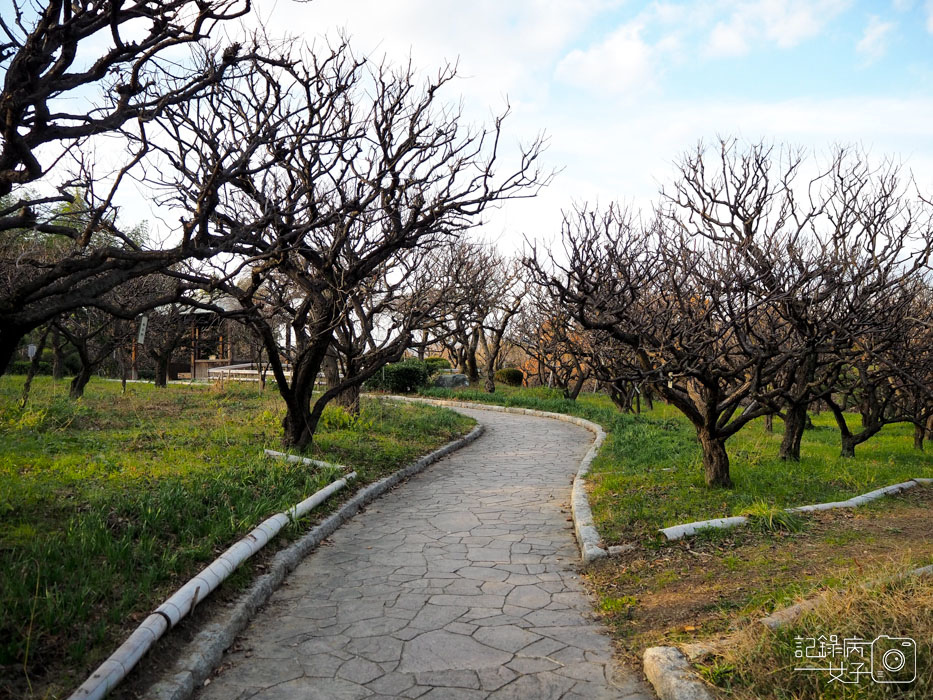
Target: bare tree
97	335
916	364
72	73
168	330
506	293
405	298
553	342
833	251
346	176
884	374
700	329
472	269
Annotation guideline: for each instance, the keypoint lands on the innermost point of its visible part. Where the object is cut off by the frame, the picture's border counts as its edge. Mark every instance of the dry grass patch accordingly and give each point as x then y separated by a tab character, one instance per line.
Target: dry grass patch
707	587
761	663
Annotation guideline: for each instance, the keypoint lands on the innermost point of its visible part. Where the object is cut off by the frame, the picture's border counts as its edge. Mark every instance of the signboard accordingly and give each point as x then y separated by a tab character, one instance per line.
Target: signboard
31	350
143	325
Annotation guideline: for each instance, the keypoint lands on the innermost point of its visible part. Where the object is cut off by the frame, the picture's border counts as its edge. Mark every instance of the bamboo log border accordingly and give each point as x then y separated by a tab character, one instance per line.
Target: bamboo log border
676	532
184	600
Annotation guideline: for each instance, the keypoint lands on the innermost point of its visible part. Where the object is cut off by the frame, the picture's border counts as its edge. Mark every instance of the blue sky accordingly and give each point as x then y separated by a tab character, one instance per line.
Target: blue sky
772	49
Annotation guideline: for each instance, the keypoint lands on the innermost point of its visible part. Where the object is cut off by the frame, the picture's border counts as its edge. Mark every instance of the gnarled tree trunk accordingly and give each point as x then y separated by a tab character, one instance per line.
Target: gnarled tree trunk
715	459
795	421
80	380
161	376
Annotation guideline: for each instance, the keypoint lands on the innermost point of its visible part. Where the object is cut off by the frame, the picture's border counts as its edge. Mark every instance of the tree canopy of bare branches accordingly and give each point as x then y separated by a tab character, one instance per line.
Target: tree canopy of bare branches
750	292
74	71
342	178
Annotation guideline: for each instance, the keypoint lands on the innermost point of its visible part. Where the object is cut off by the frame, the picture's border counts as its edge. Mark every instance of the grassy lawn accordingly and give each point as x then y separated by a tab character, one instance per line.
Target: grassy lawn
718	584
110	503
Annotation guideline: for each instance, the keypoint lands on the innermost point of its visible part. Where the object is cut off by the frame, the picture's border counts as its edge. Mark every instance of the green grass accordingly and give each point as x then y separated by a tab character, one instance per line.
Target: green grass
649	472
109	503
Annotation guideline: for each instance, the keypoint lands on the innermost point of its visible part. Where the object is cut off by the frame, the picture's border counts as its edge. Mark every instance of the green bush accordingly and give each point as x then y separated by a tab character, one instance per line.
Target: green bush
400	377
22	367
70	363
510	376
436	364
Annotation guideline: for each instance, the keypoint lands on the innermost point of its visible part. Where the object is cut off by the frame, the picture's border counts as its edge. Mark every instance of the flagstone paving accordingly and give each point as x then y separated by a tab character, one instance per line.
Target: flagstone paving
459	584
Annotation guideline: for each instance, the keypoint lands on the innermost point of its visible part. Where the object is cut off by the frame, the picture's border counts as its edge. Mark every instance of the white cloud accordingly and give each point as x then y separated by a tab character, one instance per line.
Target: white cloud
617	154
874	42
516	41
728	39
789	23
784	23
622	62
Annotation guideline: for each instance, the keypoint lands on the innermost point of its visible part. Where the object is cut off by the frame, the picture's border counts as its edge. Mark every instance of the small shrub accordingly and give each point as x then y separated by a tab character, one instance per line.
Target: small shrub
335	417
436	364
510	376
400	377
22	367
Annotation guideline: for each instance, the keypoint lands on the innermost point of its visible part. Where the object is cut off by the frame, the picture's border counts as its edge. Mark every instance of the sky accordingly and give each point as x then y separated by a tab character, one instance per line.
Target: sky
622	88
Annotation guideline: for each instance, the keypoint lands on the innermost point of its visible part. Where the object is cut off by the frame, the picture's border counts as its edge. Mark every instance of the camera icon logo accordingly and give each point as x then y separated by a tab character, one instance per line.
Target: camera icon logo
893	659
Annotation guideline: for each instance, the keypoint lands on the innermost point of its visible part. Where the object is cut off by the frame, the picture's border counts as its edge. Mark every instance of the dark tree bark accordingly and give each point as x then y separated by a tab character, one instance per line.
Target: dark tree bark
574	390
621	394
795	421
80	380
471	367
649	398
58	355
33	367
872	422
161	374
715	459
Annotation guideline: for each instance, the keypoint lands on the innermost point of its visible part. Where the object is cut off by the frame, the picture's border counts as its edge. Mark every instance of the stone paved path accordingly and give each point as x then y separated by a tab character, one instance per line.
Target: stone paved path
458	584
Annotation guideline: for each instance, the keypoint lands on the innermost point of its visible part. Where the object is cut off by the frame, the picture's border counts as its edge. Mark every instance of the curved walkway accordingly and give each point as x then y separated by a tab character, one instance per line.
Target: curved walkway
459	584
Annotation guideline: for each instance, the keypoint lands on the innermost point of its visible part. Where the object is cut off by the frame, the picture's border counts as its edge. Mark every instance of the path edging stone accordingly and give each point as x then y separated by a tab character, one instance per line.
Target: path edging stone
206	649
669	671
676	532
587	536
785	616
